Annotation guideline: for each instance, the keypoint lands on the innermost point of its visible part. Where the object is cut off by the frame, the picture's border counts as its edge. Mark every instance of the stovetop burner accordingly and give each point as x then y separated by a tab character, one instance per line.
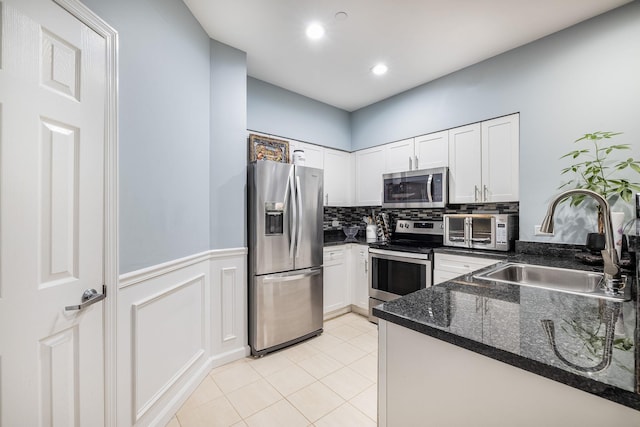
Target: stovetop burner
414	237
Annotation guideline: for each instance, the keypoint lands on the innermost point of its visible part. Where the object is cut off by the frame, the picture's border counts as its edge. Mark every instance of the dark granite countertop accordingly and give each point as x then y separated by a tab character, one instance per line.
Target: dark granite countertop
337	237
504	322
479	253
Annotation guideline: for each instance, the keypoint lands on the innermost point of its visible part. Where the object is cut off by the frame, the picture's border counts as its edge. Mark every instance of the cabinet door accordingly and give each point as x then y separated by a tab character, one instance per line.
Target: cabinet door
313	154
336	291
399	156
432	150
464	164
500	159
337	178
370	165
360	276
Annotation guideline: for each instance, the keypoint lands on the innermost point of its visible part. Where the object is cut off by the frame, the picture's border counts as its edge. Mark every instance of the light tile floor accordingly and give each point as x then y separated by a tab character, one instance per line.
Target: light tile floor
330	380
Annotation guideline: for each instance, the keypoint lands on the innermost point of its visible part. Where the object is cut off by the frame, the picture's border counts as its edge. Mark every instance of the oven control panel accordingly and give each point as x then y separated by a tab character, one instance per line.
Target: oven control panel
404	226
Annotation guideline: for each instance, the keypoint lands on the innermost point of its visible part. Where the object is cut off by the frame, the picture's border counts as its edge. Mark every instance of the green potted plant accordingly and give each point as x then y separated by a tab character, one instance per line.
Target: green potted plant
596	168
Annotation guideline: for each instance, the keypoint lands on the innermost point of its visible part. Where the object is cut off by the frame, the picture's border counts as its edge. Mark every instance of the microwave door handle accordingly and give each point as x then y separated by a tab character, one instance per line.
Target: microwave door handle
294	217
481	240
300	215
429	181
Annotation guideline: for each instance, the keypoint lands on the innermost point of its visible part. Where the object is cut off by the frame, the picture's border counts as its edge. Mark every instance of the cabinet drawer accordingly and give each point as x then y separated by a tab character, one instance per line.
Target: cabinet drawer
334	256
460	264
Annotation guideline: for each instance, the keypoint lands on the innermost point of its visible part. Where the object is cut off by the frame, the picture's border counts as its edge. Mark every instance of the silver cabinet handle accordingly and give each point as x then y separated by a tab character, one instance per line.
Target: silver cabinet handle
410	163
326	199
89	296
417	167
475	193
366	266
484	195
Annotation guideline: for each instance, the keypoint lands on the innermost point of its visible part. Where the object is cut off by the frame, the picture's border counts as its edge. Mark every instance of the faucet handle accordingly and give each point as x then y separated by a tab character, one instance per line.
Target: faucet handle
610	266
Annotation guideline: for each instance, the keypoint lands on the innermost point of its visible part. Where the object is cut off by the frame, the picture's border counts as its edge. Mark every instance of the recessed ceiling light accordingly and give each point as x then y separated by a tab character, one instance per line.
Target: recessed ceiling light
341	16
379	69
315	31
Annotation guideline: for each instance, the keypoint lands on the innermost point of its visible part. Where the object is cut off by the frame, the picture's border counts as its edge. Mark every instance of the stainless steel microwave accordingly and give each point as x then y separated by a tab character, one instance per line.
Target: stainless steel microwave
480	231
425	188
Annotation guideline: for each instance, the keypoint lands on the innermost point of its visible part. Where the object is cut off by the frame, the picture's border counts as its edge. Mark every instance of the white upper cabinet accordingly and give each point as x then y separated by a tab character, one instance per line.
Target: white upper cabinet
313	154
464	164
484	161
500	159
431	151
400	156
338	178
370	165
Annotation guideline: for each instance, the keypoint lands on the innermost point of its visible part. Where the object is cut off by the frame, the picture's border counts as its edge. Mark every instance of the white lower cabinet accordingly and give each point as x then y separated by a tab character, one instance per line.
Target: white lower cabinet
487	313
447	266
360	278
336	292
346	279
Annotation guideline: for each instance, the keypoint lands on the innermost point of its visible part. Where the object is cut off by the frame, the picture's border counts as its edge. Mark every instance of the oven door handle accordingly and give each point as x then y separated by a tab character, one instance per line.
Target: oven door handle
400	256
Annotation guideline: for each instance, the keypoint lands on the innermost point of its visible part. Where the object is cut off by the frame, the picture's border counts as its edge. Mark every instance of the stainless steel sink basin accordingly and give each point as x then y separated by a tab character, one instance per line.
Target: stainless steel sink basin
559	279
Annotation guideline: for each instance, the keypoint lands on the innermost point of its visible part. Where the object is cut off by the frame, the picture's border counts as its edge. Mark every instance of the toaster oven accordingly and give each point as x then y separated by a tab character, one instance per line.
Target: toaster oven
480	231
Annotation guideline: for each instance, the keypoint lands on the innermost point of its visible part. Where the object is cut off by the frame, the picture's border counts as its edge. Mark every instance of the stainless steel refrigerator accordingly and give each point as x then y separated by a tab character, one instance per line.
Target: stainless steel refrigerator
285	254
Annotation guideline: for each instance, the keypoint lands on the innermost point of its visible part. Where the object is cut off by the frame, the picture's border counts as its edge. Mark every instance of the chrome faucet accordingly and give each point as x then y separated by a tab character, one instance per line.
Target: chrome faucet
613	281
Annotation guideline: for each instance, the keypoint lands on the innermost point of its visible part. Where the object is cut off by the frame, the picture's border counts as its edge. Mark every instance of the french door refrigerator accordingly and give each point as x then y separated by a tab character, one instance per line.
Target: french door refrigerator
285	254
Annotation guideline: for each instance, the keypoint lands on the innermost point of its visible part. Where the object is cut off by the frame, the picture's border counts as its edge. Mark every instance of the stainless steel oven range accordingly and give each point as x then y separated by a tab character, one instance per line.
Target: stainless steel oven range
405	263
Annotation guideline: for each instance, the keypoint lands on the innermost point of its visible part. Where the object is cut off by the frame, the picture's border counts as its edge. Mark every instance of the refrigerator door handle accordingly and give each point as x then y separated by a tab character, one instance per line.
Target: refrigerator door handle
294	219
301	217
291	277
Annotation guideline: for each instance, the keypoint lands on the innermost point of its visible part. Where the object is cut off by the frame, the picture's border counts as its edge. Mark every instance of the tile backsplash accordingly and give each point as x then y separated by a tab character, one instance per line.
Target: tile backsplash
354	215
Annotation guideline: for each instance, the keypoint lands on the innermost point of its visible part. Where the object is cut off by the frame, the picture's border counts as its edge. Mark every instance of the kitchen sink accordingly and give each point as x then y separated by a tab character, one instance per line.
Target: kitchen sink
560	279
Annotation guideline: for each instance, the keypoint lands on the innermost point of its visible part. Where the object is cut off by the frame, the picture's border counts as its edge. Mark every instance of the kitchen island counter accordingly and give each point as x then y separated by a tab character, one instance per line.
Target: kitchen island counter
504	322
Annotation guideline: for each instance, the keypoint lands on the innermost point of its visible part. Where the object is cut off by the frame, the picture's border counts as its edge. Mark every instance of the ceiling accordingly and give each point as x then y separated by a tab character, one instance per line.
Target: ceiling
419	40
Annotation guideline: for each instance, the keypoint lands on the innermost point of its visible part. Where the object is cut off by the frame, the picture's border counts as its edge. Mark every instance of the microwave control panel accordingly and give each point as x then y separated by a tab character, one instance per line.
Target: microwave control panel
501	232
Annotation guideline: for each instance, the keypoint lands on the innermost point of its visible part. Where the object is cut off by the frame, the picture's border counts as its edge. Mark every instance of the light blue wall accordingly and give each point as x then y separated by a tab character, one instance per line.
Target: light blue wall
228	146
582	79
164	130
277	111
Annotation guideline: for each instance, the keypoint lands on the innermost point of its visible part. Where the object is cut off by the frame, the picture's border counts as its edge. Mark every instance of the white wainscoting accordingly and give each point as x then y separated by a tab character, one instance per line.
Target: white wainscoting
177	321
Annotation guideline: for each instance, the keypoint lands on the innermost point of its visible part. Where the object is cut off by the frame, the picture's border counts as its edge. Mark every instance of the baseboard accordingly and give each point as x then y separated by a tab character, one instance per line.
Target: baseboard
335	313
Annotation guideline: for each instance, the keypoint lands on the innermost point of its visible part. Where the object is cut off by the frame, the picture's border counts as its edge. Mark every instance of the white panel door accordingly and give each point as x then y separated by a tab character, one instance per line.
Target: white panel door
464	164
52	107
432	150
399	156
370	165
501	159
337	178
